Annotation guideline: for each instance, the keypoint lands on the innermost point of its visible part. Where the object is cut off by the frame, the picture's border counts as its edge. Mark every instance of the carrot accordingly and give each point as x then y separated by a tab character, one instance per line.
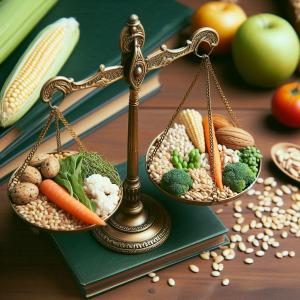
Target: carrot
65	201
215	154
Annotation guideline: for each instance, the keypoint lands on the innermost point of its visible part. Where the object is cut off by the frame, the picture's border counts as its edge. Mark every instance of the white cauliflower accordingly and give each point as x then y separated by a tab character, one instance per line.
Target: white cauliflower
104	193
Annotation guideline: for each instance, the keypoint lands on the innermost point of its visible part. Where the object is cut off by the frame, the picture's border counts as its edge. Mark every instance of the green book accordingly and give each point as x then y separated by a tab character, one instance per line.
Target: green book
97	269
100	26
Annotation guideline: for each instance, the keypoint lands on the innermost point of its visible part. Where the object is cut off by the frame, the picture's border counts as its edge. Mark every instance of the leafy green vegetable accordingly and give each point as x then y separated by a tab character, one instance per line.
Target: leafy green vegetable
93	163
70	176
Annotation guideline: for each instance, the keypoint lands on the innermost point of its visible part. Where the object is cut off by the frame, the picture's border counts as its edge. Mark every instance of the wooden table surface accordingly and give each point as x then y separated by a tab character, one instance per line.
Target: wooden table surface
31	267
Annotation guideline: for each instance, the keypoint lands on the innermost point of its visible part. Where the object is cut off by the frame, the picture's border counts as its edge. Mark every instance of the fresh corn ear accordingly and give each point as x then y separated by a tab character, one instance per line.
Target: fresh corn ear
17	18
192	120
41	61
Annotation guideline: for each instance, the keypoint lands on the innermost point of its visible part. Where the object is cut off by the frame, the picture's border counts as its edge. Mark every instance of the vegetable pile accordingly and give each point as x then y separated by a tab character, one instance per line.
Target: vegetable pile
182	165
61	191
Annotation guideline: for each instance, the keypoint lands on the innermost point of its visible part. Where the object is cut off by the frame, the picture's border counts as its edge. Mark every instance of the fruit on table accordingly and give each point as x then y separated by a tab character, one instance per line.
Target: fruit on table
251	156
238	176
42	60
176	182
234	137
224	17
286	104
265	50
17	18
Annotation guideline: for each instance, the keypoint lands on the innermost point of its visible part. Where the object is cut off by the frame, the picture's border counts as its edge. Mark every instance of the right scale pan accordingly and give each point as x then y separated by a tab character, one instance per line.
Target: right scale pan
202	158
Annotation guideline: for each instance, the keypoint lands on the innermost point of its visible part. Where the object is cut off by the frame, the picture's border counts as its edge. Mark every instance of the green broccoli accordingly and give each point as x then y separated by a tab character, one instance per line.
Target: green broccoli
238	176
176	182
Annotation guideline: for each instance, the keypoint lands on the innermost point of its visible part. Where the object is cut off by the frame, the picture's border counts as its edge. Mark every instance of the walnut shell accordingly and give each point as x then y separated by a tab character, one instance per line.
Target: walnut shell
221	121
32	175
37	160
50	167
24	192
234	137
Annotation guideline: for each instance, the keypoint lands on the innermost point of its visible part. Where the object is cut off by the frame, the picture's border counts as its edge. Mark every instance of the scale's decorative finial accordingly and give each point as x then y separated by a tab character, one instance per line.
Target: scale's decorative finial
141	224
133	19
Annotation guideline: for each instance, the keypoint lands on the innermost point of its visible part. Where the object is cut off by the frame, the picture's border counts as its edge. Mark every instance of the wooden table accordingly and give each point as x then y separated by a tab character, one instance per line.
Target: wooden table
31	267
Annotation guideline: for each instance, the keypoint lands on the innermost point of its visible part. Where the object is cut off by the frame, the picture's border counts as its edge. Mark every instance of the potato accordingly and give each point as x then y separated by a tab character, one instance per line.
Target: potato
38	159
50	167
32	175
24	192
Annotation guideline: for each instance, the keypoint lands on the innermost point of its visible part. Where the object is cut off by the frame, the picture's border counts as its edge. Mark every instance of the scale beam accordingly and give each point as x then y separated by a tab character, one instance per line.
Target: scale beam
106	76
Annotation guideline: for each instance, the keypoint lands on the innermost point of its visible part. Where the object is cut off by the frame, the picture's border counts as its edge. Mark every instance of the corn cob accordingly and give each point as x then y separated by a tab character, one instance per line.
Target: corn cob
192	120
41	61
17	18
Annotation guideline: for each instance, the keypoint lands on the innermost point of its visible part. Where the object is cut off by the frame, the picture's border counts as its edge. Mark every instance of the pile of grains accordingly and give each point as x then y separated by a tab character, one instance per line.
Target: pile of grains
289	160
203	187
46	214
62	155
274	217
176	139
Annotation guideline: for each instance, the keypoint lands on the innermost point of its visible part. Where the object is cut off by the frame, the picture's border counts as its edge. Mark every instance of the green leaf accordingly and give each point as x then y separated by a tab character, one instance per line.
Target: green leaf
70	176
66	183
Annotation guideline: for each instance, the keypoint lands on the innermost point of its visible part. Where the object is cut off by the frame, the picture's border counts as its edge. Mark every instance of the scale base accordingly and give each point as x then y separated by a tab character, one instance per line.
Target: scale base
136	234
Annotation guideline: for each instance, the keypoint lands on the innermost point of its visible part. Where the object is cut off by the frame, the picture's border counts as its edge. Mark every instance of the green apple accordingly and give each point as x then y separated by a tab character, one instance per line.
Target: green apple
265	50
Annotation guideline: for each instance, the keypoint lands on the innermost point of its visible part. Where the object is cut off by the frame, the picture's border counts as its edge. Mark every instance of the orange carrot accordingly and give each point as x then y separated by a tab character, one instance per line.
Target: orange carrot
216	153
65	201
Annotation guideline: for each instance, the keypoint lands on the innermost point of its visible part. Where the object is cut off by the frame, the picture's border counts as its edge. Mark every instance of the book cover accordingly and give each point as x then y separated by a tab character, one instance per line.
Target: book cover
100	26
97	269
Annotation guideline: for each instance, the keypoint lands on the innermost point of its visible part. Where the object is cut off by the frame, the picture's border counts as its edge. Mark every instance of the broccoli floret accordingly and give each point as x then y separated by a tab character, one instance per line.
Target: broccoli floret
176	182
238	176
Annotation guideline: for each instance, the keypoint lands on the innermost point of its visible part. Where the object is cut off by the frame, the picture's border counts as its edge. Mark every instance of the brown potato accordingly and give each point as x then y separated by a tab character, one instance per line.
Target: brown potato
38	159
24	192
50	167
32	175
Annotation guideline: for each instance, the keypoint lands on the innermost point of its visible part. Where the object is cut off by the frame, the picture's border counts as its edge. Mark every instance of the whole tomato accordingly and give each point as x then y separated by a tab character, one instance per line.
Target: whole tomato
286	104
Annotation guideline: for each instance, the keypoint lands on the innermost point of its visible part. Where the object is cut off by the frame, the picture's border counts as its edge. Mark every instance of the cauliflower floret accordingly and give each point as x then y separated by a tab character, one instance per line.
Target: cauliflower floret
114	198
104	193
105	206
111	189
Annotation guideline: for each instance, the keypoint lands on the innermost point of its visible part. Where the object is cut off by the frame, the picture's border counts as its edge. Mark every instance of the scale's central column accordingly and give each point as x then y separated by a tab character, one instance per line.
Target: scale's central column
141	223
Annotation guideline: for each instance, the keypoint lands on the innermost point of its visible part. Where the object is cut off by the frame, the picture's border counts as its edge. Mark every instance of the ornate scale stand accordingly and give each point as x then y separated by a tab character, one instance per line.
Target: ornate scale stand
141	223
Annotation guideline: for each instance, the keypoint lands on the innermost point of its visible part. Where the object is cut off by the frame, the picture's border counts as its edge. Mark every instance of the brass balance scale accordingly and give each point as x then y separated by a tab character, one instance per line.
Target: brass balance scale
141	223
